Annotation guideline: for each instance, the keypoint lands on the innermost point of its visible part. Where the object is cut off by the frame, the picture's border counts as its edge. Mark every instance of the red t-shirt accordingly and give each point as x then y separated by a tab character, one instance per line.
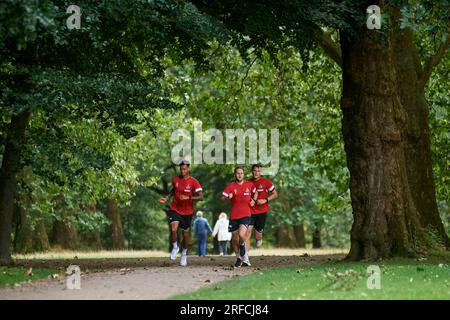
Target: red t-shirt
240	203
185	187
264	186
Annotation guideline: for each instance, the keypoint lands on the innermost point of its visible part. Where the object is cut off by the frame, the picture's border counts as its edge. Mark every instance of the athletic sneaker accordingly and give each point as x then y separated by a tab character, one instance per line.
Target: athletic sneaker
258	243
238	263
173	254
246	261
183	261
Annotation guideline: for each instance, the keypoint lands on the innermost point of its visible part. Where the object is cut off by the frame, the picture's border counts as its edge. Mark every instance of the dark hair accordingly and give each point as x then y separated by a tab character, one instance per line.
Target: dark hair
184	162
237	168
256	165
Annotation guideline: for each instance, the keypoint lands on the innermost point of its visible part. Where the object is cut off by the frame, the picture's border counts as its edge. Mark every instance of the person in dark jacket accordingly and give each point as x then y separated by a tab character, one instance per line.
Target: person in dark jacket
201	229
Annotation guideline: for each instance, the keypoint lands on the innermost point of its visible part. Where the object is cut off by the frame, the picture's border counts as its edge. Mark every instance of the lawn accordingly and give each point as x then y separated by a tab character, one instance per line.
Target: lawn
399	280
13	275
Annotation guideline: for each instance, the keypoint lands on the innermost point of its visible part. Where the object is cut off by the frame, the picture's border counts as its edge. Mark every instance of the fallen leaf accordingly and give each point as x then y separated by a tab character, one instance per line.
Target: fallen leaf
29	272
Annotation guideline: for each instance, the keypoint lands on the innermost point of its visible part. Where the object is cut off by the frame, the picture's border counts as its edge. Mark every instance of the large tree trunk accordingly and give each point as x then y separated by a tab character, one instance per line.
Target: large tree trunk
381	125
15	139
116	224
411	89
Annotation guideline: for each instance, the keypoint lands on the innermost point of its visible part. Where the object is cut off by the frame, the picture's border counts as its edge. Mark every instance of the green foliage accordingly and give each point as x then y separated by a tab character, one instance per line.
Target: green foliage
145	225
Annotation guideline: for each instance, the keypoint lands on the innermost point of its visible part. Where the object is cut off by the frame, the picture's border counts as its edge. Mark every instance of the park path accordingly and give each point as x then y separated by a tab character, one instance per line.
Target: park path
143	279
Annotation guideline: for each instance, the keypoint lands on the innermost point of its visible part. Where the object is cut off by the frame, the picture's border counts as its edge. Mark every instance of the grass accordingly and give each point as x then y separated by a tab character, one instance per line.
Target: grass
400	279
12	275
104	254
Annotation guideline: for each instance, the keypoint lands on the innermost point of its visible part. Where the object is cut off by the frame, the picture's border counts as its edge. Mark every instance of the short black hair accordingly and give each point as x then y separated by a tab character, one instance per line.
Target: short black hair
184	162
256	165
237	168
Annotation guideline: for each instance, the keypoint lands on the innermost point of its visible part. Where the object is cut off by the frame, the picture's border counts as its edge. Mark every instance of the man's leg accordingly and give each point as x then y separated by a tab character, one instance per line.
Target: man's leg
235	241
258	238
249	237
173	232
242	239
235	246
259	227
185	245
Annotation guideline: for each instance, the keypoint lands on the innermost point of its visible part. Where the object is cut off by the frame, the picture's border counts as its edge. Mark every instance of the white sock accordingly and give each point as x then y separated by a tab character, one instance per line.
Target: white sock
175	245
184	252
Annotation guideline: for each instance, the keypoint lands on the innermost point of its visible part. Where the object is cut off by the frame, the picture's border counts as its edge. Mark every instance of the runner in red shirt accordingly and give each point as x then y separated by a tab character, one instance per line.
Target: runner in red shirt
243	196
185	189
266	193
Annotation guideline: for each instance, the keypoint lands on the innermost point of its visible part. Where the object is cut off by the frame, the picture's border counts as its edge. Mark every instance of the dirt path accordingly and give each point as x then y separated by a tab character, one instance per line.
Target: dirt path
151	278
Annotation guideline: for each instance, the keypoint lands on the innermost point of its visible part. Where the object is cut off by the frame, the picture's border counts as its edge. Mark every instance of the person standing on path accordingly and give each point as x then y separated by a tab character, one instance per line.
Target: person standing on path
222	233
201	230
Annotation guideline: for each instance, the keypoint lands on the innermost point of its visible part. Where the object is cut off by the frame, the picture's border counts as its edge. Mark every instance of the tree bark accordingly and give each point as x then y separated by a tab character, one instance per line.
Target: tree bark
411	90
15	139
316	238
384	119
285	236
65	234
116	225
92	238
30	238
299	232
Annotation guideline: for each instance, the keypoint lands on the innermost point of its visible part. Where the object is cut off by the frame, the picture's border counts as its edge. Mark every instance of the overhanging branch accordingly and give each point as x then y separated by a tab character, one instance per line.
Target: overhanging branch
331	48
433	61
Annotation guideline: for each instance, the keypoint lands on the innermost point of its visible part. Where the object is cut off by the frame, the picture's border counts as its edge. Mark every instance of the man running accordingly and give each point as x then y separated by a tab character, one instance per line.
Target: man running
185	189
243	196
266	193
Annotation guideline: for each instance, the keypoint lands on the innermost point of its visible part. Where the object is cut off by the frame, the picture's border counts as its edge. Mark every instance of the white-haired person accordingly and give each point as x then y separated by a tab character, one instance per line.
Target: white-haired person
223	235
201	229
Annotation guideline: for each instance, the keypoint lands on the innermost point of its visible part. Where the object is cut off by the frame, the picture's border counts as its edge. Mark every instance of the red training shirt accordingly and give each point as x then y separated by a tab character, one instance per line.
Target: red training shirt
264	186
185	187
240	203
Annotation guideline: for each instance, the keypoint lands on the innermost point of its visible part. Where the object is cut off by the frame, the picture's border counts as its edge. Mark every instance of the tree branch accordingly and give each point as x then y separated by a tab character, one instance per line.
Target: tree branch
433	61
331	48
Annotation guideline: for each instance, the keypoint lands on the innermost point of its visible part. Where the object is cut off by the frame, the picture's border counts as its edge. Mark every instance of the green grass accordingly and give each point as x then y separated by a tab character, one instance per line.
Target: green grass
399	280
10	276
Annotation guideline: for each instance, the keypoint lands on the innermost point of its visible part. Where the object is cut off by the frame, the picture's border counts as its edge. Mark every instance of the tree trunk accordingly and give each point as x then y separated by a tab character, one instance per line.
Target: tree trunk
285	236
15	139
65	234
299	232
92	238
316	238
116	224
381	126
30	238
411	90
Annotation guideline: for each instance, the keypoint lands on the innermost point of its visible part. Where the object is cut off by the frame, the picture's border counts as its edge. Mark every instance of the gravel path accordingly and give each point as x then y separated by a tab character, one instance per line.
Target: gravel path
137	279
